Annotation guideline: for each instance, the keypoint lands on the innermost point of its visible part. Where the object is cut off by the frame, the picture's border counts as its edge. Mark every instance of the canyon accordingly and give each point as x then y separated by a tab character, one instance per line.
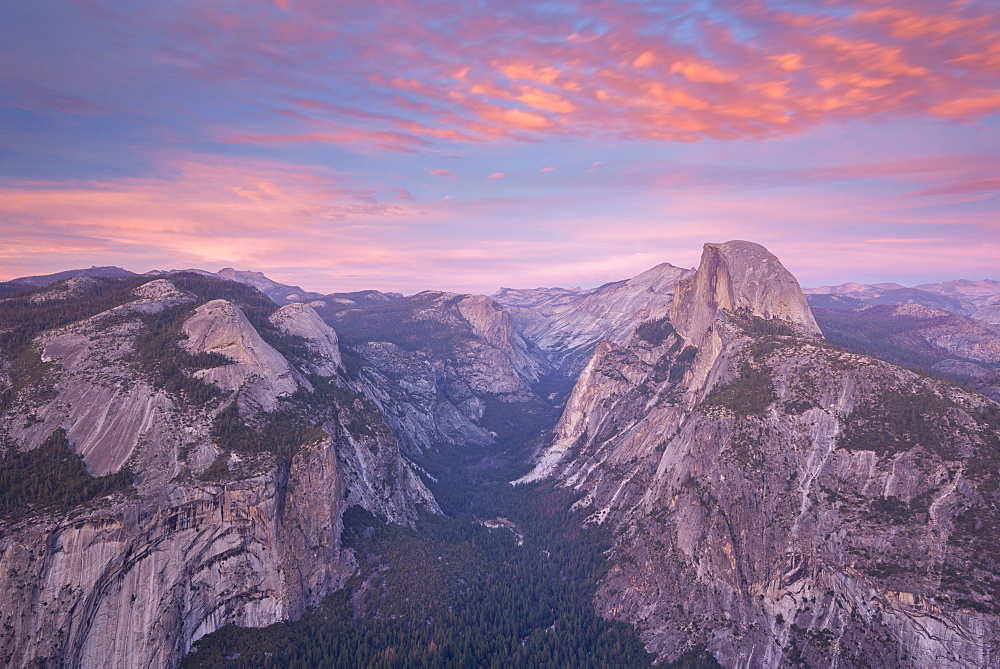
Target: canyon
773	498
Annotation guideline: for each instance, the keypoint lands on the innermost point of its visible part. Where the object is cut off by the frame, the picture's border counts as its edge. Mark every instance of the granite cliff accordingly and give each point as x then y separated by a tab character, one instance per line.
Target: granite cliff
241	458
777	500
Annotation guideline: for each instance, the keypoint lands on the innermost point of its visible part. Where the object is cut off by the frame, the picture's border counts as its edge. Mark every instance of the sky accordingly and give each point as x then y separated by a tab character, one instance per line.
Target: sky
470	144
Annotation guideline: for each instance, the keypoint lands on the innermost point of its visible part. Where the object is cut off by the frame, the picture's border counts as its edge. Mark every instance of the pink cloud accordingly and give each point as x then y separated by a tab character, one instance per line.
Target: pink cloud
496	175
984	185
411	78
969	107
201	212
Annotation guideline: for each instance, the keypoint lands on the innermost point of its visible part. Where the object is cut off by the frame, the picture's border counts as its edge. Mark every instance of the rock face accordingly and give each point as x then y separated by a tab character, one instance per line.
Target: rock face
217	530
423	403
104	407
733	276
135	584
257	370
568	324
301	320
777	500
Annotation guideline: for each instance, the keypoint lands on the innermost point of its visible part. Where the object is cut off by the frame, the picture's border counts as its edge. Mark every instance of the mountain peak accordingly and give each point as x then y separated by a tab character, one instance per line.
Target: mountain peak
737	275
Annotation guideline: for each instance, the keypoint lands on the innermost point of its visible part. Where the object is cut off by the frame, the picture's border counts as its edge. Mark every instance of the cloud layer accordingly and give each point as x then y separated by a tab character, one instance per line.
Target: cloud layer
443	143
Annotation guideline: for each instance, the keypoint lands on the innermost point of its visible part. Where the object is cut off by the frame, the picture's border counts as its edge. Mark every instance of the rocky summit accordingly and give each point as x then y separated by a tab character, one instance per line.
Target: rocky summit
708	468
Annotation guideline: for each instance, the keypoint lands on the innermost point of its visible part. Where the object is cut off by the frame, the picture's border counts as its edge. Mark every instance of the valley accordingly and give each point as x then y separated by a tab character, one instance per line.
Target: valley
703	467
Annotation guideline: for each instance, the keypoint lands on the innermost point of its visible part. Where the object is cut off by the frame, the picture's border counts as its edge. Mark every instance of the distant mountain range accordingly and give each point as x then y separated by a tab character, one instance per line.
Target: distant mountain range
778	478
960	296
279	292
949	329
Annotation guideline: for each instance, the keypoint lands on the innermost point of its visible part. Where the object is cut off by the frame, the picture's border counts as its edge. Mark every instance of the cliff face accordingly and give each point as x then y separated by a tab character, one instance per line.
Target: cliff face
778	500
137	582
300	320
235	516
734	276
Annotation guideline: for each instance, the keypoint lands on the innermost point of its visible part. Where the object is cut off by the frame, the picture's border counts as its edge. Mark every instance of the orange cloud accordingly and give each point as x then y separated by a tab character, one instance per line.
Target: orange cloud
703	72
517	118
978	105
545	101
645	59
405	76
528	72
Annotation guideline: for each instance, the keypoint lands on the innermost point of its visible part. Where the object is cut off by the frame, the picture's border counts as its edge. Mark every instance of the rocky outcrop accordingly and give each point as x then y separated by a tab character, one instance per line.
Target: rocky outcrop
258	371
787	502
988	314
567	324
734	276
105	408
300	320
215	532
491	323
65	290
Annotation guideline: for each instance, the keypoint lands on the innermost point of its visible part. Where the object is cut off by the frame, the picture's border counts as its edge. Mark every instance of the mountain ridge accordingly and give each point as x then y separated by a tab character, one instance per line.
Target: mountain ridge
772	498
758	501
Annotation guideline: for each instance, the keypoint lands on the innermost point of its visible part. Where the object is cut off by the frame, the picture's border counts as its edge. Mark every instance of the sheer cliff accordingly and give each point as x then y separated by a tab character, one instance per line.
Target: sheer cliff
778	500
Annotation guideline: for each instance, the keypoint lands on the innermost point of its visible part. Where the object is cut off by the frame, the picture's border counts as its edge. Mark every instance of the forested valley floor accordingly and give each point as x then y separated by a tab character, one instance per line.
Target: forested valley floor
454	592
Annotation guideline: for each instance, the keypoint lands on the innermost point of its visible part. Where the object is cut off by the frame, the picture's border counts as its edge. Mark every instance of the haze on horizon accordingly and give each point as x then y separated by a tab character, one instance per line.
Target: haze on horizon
449	145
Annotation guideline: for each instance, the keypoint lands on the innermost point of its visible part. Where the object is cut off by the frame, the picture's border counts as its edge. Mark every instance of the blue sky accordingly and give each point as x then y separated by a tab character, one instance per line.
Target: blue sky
465	146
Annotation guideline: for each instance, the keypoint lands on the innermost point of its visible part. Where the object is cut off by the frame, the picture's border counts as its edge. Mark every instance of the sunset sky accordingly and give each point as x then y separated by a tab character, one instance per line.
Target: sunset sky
464	145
